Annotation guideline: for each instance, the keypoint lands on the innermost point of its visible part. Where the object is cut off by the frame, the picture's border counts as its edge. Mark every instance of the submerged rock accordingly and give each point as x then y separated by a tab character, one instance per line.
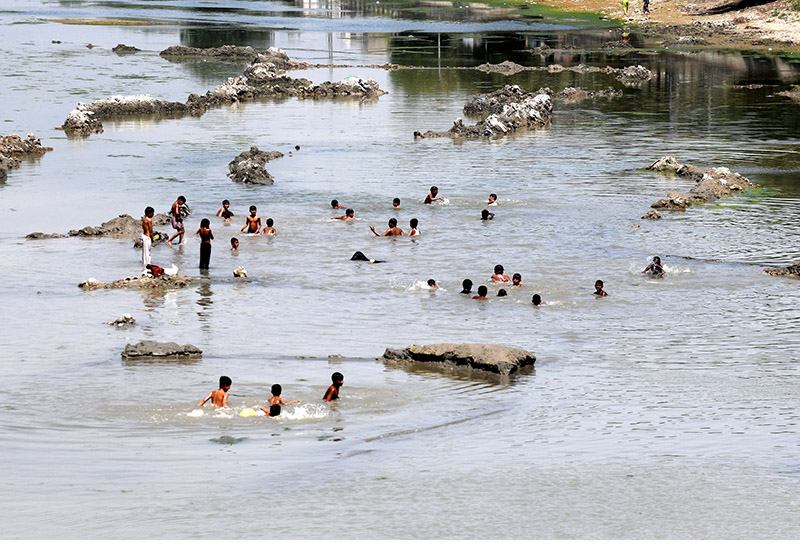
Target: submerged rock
508	110
87	118
492	358
13	147
231	53
249	166
653	215
793	93
506	67
125	320
148	348
631	76
712	184
177	281
575	94
121	49
792	271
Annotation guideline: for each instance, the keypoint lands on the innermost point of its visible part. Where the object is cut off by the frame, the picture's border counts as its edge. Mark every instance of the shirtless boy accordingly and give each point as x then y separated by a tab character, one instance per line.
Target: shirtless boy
482	291
486	215
498	275
147	234
177	220
393	230
269	230
219	397
276	396
332	392
225	212
413	224
492	200
598	289
252	222
432	196
349	215
335	205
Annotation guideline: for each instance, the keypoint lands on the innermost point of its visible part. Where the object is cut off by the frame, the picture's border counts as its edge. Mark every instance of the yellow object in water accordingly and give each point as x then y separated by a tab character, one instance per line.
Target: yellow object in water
248	412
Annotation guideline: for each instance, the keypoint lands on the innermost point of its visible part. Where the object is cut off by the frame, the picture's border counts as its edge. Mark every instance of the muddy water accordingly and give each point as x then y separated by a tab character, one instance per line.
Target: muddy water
668	409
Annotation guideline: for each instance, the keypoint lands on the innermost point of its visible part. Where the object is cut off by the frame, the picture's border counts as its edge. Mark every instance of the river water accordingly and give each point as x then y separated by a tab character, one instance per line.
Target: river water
667	410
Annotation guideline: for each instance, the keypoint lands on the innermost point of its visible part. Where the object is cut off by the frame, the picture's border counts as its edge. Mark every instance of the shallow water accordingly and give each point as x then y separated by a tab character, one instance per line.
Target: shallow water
666	410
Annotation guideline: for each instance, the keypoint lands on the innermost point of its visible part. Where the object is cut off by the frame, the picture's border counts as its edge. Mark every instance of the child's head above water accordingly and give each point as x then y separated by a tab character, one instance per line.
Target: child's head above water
396	202
349	212
536	300
516	278
225	382
431	282
226	203
482	291
334	203
253	209
392	222
235	243
485	214
276	390
498	269
205	223
270	222
434	190
337	378
414	222
466	285
502	293
275	410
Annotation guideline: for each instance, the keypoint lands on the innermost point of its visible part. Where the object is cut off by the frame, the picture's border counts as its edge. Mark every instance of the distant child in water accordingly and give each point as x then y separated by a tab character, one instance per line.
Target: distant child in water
598	289
273	411
432	196
225	212
432	283
205	243
349	215
516	280
654	268
486	215
269	230
335	205
502	293
234	244
492	200
276	396
414	231
393	230
252	222
333	391
537	301
219	397
498	275
482	292
466	287
396	203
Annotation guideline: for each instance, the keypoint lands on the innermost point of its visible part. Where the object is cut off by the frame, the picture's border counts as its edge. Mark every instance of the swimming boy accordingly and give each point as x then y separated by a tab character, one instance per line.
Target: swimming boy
498	275
177	219
335	205
486	215
432	196
219	397
205	243
273	411
654	268
432	283
492	200
413	231
502	293
276	396
349	215
234	244
482	291
536	300
516	280
147	234
252	222
598	289
466	287
224	212
333	391
269	230
396	203
393	230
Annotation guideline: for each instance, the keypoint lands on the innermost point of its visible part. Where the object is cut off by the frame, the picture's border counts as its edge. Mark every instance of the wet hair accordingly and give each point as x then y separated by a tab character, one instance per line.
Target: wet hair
431	281
482	290
467	285
349	211
270	222
181	198
275	410
205	223
517	276
358	256
148	210
234	240
536	300
434	189
396	201
656	259
393	222
493	195
334	203
337	377
226	201
414	222
276	389
484	214
253	208
502	293
224	380
598	282
498	269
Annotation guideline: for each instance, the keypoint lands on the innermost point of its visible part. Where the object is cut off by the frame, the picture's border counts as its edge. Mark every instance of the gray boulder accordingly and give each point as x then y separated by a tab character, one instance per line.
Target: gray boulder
148	348
491	358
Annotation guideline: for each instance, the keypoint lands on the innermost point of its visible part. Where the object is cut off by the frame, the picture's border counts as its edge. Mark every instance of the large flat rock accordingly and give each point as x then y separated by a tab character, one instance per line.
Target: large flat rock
148	348
492	358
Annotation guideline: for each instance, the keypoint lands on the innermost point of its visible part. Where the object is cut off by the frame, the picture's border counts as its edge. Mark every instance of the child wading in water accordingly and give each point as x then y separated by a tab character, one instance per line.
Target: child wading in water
219	397
276	396
252	222
349	215
598	289
393	229
205	243
225	212
269	230
177	219
333	391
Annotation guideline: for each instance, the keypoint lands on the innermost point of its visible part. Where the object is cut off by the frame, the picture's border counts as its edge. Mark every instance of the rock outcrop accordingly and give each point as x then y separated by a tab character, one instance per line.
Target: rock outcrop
712	184
264	78
631	76
490	358
793	93
122	49
505	111
177	281
150	349
653	215
249	166
123	226
13	148
791	271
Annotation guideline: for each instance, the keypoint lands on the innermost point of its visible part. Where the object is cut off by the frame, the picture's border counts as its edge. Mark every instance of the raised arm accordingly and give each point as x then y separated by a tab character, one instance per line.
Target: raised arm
205	400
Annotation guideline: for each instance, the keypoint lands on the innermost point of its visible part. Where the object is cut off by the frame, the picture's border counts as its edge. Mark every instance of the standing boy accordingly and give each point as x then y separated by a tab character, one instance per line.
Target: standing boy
147	234
205	243
177	219
252	222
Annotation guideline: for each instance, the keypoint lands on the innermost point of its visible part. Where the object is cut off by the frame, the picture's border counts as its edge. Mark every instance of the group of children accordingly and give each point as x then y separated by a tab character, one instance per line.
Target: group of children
219	397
